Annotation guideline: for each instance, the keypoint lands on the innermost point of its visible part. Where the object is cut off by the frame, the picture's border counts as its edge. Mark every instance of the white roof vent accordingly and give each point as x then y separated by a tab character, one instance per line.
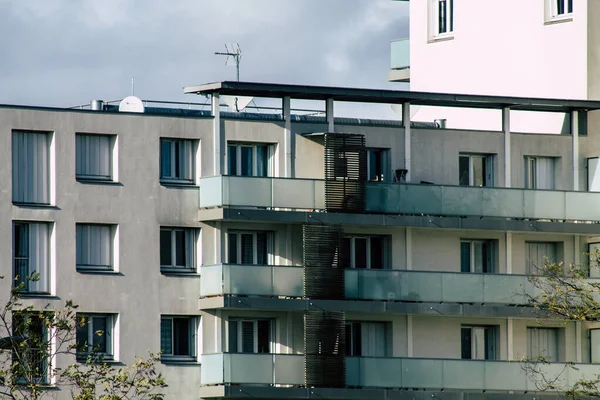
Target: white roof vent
131	104
237	103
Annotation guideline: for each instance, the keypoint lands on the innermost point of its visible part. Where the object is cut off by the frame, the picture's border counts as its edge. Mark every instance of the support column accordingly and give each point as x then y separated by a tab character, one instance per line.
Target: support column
407	135
575	148
507	152
217	241
508	252
409	336
218	139
329	115
288	138
408	248
576	250
510	339
578	352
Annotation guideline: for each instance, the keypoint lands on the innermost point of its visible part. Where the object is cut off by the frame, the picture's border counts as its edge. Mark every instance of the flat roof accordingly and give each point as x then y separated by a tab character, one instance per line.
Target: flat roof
274	90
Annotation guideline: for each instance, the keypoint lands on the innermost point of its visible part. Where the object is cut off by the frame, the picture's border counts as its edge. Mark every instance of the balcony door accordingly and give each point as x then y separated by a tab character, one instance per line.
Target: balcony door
479	342
537	253
250	336
539	173
475	170
247	247
478	256
366	339
542	342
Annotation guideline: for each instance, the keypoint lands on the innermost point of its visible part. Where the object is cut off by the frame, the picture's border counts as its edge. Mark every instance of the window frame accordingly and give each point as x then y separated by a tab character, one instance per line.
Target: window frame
270	154
255	335
21	182
435	28
270	246
81	267
174	160
111	154
558	250
44	283
492	248
45	338
531	172
488	169
558	336
553	10
492	350
191	235
192	339
386	249
109	335
384	154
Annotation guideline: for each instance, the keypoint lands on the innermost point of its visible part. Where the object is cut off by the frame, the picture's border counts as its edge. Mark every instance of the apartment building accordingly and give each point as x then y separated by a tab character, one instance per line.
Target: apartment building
279	255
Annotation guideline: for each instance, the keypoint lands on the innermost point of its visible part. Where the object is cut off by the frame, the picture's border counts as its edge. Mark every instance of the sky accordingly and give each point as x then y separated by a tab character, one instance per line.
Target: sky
64	53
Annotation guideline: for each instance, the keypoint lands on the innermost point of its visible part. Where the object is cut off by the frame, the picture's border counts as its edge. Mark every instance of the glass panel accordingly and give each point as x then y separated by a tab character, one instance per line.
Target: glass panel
247	336
232	160
181	336
233	336
465	256
81	333
166	336
465	343
478	343
100	332
232	249
180	248
165	159
463	171
246	167
247	248
360	253
345	259
376	252
165	248
478	256
264	336
262	160
478	171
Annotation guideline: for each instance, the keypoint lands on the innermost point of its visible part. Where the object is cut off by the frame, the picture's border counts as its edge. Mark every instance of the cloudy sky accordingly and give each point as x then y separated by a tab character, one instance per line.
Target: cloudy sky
65	52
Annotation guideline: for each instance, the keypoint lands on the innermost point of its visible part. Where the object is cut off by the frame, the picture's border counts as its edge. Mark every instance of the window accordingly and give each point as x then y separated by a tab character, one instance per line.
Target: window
378	169
30	167
250	336
178	338
539	173
248	247
178	249
560	8
93	157
177	160
475	170
250	159
371	252
479	342
366	339
94	247
442	17
537	253
478	256
31	255
95	335
542	342
32	359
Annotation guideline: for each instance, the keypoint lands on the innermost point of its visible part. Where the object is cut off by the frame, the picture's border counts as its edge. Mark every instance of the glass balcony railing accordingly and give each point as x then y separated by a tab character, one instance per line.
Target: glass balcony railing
413	199
283	369
400	54
361	284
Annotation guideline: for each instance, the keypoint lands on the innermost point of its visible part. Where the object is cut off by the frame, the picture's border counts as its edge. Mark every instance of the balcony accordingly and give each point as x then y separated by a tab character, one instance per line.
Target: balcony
361	284
408	199
367	372
399	61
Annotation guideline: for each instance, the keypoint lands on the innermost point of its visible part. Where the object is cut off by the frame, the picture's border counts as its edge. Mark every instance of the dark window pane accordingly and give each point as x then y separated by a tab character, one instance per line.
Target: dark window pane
246	161
81	333
165	248
176	163
247	249
21	240
180	248
360	253
465	343
345	260
465	257
264	336
181	334
356	339
166	336
463	171
232	250
247	337
232	160
262	160
261	248
165	159
233	336
349	340
99	324
376	253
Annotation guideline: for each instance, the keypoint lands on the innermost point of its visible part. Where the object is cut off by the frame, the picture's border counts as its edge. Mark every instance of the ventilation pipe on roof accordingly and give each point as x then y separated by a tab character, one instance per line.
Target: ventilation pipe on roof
440	123
97	105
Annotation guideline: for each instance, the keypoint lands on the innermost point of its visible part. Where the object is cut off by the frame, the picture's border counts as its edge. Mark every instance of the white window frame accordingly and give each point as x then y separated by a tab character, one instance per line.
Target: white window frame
493	248
385	248
43	285
111	161
434	23
28	166
45	378
254	321
191	248
111	241
191	163
271	155
109	335
192	338
531	172
270	246
553	10
488	162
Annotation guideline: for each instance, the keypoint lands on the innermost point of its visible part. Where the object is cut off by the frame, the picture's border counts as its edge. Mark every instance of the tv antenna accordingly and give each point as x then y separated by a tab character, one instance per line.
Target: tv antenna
233	52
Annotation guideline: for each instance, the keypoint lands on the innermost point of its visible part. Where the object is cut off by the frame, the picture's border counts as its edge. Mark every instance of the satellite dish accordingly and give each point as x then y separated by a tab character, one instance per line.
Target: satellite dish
131	104
237	103
398	110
